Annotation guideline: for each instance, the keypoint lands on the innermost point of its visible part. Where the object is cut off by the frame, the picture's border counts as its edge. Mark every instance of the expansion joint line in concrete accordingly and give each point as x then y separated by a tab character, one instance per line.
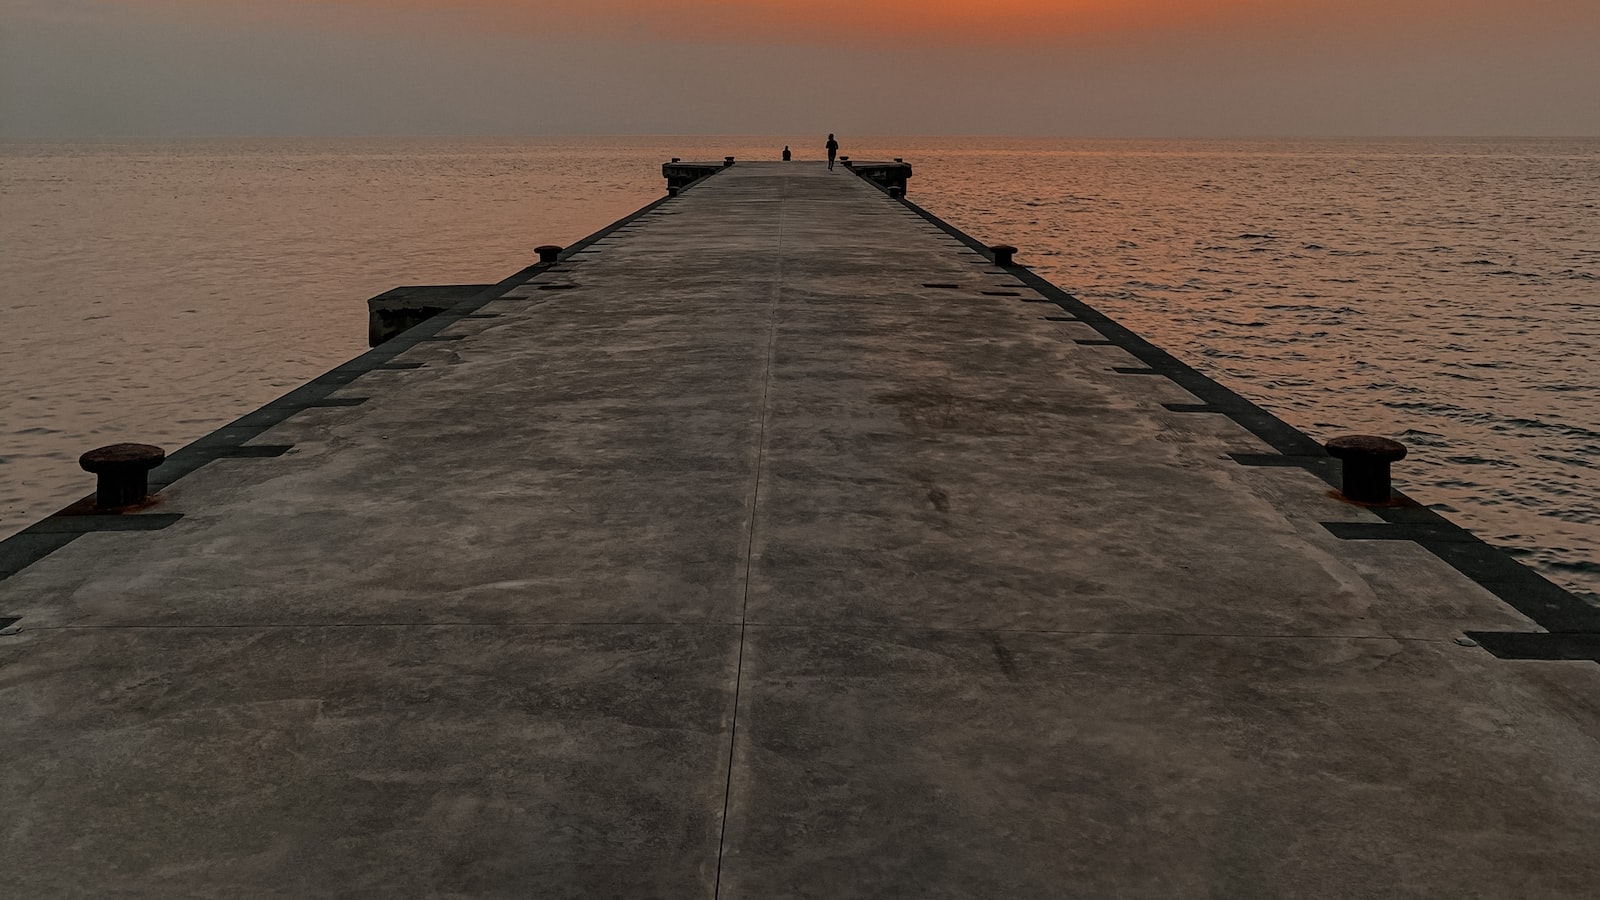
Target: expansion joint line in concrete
750	538
789	626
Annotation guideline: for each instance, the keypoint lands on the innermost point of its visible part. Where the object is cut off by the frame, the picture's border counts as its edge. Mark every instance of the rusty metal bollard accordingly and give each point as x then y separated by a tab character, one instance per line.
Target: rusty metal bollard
1366	461
122	473
1002	254
549	253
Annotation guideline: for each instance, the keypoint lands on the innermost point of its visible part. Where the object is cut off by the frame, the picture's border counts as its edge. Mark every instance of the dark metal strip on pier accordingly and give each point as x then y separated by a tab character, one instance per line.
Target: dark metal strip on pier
1324	467
52	533
1537	646
1546	603
90	523
26	548
258	451
1370	531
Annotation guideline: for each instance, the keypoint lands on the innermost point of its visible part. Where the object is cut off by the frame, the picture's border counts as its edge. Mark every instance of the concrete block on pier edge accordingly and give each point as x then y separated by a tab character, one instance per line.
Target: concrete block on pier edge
884	174
680	174
397	309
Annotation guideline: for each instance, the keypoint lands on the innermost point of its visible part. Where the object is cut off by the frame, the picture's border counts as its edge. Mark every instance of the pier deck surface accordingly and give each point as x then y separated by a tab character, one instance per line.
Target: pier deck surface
744	563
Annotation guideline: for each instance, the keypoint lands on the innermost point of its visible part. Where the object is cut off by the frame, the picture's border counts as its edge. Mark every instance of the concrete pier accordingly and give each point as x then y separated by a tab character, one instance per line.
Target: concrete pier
775	543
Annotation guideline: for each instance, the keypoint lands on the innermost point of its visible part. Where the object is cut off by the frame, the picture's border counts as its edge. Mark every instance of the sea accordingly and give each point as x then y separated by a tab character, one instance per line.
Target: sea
1445	292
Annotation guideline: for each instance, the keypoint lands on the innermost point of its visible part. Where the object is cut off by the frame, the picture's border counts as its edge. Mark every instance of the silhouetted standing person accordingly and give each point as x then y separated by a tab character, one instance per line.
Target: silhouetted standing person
833	150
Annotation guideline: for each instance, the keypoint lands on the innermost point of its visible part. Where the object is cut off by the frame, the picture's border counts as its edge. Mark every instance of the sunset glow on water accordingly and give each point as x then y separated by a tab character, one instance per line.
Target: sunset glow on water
911	21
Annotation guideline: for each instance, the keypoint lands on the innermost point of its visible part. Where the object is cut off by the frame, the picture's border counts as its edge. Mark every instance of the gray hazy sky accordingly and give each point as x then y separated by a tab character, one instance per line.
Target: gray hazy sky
91	68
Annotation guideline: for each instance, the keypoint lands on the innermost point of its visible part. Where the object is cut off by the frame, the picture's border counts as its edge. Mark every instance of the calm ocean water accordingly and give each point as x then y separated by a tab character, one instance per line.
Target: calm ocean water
1446	292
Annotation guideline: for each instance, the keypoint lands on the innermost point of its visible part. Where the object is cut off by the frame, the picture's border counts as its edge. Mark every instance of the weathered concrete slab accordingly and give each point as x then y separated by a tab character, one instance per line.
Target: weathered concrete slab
382	761
783	504
924	763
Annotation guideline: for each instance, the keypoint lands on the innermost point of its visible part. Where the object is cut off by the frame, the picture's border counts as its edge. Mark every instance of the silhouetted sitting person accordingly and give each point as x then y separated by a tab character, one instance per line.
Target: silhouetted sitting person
785	152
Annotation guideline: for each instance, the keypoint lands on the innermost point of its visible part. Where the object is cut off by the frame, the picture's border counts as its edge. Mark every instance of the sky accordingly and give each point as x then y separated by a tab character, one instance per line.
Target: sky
1115	68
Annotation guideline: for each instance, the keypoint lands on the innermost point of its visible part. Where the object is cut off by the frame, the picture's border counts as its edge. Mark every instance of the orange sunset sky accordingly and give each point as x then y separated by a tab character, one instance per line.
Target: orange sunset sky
76	68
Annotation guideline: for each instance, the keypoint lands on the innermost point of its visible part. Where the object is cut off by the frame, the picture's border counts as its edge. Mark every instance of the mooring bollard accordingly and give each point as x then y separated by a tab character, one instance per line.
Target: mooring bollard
727	161
672	190
1366	461
896	191
1002	254
549	253
899	159
122	473
677	159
